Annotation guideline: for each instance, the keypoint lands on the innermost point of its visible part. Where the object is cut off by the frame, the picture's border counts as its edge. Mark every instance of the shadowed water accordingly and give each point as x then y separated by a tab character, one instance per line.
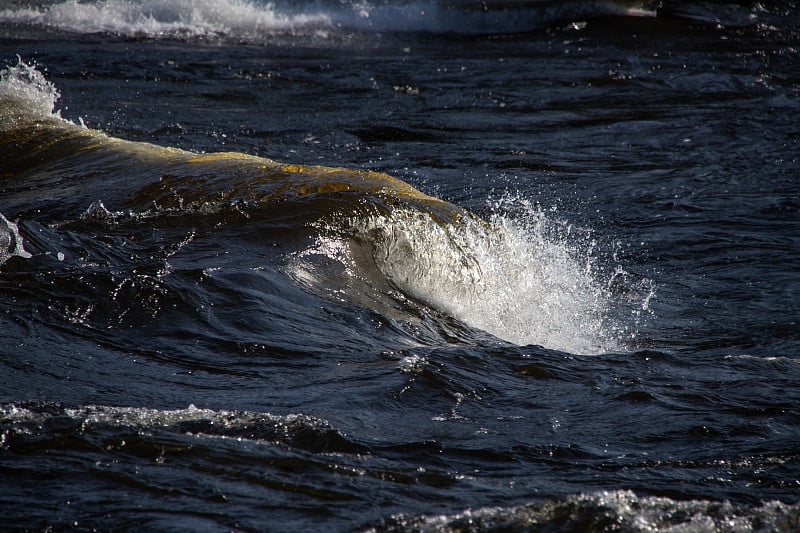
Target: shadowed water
399	265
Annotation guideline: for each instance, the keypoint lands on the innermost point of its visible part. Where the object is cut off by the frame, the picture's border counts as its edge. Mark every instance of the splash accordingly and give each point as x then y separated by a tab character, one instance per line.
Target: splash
517	275
512	277
23	82
10	241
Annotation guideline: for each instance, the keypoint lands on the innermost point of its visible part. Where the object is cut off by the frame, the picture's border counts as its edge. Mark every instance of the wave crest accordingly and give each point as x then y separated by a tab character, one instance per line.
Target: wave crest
24	83
619	510
506	277
255	20
521	278
170	19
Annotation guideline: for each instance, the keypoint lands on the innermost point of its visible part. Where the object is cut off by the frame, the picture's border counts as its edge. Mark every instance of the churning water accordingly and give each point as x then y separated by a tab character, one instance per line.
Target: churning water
413	265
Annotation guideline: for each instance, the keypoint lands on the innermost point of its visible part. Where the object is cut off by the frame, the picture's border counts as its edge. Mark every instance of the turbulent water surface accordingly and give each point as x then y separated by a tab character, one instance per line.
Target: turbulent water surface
387	265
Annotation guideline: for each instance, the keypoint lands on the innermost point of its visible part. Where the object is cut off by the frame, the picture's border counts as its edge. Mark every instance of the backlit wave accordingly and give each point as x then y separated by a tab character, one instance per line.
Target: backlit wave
510	277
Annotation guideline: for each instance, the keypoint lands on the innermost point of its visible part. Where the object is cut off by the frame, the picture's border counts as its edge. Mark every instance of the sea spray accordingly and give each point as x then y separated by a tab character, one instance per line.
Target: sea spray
11	243
514	278
23	82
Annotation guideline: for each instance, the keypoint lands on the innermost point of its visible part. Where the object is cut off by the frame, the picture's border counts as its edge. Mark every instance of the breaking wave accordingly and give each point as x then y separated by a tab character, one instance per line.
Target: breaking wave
522	279
254	20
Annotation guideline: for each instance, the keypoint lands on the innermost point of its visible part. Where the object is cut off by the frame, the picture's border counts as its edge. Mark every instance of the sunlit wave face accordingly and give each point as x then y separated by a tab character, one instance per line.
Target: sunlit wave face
525	279
504	277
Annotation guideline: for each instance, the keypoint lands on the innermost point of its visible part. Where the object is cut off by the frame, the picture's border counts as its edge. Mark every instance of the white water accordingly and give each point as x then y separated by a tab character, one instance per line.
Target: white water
626	510
164	18
23	82
253	21
10	241
514	278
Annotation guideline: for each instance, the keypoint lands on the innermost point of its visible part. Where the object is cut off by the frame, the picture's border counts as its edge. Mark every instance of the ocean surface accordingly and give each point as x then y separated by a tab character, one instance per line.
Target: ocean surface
365	265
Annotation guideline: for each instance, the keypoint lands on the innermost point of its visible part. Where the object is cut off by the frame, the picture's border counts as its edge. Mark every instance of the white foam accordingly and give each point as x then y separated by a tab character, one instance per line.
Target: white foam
219	422
164	18
626	510
10	241
24	82
510	277
255	20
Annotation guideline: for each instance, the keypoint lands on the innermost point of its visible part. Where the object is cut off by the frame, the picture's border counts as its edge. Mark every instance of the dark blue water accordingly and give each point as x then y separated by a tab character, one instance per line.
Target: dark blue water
400	266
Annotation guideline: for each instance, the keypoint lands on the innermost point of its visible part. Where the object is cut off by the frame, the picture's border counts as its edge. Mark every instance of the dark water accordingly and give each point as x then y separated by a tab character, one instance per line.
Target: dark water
573	306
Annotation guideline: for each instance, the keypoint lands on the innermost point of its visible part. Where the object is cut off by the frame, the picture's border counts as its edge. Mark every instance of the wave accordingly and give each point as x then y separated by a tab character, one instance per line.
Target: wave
117	443
259	21
520	279
25	85
515	280
255	20
171	19
23	423
618	510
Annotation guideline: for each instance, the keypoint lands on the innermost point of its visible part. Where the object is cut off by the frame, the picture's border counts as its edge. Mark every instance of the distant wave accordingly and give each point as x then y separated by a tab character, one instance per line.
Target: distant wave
158	19
256	20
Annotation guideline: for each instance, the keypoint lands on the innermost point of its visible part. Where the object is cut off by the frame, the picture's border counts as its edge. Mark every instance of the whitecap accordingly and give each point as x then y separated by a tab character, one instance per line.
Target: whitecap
511	278
24	83
11	243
